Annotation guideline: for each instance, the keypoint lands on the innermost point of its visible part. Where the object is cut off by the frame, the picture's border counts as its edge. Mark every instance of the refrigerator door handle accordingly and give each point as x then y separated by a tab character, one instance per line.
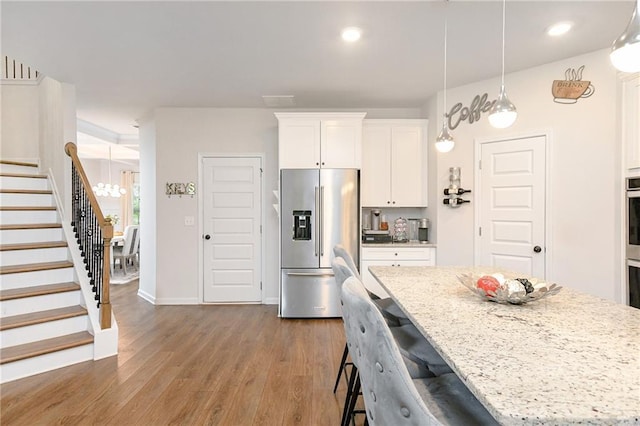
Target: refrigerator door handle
322	220
316	244
310	274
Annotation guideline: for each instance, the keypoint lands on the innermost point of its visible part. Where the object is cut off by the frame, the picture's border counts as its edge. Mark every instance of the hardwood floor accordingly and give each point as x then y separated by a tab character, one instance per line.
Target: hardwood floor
192	365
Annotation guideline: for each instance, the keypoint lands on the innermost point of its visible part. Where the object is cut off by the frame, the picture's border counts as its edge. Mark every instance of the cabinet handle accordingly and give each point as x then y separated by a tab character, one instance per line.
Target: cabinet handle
388	202
393	202
395	254
323	163
317	164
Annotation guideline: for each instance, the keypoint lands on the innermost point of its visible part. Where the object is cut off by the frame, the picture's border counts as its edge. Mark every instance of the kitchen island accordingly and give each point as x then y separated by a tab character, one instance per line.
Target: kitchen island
568	359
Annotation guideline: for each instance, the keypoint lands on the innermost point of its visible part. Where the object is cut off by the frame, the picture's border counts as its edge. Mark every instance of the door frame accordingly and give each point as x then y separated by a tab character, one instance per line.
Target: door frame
478	142
201	158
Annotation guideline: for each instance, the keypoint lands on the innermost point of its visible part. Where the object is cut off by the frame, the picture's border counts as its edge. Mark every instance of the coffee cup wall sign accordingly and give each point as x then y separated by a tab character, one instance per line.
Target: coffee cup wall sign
572	88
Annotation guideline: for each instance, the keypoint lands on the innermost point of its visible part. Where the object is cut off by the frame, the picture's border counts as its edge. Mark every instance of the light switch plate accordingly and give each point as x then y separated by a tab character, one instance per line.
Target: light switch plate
189	221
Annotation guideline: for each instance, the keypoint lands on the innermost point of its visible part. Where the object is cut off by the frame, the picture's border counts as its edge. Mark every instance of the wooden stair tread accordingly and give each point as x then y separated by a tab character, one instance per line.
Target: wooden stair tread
23	175
31	246
42	316
18	163
26	191
30	226
32	267
42	347
26	208
38	290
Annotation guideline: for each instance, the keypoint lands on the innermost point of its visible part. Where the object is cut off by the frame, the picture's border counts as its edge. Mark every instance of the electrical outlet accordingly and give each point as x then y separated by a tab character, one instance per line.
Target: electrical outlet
189	221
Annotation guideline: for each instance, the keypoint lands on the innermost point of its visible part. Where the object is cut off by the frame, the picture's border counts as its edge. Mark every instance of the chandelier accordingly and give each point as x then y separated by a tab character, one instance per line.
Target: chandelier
108	189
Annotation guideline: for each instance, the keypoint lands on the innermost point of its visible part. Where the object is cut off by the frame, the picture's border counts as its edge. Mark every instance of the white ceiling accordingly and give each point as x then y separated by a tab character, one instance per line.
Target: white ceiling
126	58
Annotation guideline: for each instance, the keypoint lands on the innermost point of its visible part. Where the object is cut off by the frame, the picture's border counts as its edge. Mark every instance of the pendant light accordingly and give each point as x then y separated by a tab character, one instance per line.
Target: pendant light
625	52
108	189
444	141
503	113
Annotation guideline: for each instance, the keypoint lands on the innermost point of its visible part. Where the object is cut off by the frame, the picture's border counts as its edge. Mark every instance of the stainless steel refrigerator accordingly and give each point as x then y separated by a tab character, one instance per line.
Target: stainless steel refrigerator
318	209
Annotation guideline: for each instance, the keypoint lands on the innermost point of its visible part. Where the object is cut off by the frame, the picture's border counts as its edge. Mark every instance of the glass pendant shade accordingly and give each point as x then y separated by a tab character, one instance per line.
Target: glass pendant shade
109	190
503	113
625	52
444	141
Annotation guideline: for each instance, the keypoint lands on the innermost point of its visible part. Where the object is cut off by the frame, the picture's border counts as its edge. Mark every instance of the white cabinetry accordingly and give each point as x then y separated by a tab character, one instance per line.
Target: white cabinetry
631	124
393	256
394	163
319	140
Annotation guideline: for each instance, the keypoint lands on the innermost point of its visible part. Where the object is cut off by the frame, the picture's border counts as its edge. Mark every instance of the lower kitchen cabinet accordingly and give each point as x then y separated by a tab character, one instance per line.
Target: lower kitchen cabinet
392	256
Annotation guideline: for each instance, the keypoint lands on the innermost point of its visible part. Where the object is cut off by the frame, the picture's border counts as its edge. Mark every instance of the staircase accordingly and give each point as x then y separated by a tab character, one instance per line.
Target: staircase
43	322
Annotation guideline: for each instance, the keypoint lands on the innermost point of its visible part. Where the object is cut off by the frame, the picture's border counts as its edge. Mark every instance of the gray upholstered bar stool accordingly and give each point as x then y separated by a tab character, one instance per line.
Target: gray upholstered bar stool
391	396
390	310
411	342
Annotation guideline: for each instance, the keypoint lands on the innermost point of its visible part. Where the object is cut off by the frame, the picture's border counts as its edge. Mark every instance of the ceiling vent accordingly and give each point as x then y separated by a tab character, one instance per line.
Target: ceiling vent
279	101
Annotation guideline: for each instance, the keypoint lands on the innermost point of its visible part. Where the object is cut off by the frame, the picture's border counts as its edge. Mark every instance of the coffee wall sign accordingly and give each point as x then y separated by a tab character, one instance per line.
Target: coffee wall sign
473	112
573	87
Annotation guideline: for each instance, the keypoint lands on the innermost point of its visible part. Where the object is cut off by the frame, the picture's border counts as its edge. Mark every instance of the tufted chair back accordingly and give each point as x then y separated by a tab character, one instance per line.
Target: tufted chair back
340	251
390	396
340	270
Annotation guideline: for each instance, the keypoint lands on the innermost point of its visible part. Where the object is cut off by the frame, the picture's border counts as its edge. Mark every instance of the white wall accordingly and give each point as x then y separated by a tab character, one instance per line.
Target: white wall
584	148
181	134
20	110
148	222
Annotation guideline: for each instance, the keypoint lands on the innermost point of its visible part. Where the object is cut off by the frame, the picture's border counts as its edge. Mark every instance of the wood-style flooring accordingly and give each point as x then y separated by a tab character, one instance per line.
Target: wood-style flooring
192	365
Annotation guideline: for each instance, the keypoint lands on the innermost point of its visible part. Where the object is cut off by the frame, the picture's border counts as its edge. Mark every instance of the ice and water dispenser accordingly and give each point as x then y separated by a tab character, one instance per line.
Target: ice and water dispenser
301	225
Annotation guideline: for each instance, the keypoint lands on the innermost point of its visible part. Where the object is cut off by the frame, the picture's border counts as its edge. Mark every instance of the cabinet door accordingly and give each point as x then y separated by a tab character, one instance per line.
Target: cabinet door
341	142
299	144
408	177
631	124
376	166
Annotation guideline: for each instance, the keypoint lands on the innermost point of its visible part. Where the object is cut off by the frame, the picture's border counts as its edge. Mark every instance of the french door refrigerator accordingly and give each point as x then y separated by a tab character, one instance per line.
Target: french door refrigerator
319	208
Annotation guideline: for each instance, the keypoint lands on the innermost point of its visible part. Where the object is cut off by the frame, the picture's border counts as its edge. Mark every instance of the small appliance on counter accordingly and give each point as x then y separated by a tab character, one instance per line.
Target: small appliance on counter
376	237
423	231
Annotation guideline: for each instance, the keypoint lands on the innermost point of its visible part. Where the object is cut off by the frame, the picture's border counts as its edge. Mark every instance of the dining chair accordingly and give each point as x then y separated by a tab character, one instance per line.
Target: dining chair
391	396
390	309
129	250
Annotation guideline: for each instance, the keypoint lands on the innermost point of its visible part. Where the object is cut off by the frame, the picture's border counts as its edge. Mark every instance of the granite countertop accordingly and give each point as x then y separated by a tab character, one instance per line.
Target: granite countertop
571	358
399	245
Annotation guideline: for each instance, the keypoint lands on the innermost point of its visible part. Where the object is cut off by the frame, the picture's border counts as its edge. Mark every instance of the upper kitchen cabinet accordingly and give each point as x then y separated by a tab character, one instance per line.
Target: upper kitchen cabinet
320	140
394	163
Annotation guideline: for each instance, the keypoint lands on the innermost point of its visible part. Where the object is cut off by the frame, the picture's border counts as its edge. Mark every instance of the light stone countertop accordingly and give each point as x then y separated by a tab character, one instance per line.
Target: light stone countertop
571	358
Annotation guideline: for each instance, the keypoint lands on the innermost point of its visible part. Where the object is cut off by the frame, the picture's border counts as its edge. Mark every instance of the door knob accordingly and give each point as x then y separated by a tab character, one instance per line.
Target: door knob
207	237
537	249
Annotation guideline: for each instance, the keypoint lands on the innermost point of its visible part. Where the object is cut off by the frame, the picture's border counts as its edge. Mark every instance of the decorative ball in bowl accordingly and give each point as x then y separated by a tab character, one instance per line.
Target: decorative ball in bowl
516	291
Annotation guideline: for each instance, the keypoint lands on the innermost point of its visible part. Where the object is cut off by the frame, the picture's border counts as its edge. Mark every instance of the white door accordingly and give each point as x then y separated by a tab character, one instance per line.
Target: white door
511	206
231	220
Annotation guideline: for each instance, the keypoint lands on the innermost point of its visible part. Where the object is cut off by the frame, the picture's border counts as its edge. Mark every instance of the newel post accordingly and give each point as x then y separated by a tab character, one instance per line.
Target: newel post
105	305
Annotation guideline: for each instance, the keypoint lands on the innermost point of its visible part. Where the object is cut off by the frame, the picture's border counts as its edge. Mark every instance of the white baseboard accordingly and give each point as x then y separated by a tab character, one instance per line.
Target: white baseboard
271	301
146	296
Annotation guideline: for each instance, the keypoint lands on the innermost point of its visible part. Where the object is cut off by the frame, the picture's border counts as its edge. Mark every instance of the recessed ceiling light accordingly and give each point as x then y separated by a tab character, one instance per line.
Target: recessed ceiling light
351	34
559	29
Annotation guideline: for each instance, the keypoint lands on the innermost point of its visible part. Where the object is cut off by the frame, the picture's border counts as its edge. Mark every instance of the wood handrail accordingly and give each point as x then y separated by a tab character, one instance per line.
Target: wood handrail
106	229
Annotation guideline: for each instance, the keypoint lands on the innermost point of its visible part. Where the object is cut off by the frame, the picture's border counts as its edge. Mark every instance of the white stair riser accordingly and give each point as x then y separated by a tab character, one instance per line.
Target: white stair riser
11	168
28	305
16	236
26	199
40	364
28	216
46	330
27	279
22	257
11	182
